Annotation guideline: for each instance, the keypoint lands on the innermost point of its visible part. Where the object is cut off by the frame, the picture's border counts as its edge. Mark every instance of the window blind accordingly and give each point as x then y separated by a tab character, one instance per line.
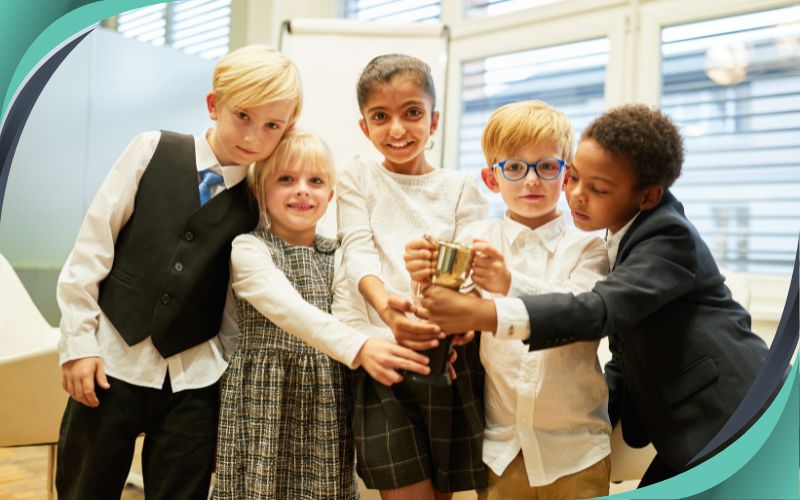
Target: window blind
199	27
394	11
733	86
486	8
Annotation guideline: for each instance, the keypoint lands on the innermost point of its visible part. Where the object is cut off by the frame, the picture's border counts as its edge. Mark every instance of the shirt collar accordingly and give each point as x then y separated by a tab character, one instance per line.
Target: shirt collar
614	239
549	234
206	159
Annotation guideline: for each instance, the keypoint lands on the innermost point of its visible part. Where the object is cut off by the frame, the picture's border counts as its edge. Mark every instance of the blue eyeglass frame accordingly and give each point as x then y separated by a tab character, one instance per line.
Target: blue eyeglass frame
535	166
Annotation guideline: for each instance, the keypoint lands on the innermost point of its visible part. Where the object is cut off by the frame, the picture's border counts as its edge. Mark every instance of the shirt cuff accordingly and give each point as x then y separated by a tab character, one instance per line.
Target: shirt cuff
512	319
72	347
380	332
354	347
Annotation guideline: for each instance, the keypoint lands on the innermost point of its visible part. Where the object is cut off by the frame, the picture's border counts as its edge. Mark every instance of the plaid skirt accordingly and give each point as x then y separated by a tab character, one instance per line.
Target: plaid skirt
414	431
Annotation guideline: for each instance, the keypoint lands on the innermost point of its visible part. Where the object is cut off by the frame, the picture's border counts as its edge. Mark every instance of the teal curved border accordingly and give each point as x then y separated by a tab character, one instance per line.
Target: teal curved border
60	29
749	468
762	463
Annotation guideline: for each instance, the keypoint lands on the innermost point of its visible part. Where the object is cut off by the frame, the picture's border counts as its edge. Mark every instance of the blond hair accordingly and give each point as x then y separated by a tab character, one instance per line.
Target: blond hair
255	75
298	150
516	125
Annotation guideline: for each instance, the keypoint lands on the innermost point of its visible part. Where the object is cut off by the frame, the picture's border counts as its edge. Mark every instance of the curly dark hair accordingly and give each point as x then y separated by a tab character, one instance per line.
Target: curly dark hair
645	138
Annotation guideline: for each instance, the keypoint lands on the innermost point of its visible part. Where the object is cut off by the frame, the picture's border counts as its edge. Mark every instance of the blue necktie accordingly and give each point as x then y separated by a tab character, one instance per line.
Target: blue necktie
208	179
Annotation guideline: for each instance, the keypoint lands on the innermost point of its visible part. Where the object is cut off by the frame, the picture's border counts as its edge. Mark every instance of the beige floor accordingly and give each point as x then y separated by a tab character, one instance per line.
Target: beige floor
23	476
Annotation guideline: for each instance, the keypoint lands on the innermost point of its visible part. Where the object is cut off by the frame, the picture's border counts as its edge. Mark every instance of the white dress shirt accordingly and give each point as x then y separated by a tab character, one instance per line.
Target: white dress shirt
614	239
257	280
85	330
549	404
512	316
380	211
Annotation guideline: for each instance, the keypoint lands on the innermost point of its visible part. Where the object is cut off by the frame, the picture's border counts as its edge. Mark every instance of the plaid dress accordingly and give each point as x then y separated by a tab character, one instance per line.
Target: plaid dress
414	431
284	430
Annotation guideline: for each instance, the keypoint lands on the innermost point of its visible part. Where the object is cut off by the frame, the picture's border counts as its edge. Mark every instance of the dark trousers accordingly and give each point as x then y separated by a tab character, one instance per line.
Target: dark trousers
95	445
657	471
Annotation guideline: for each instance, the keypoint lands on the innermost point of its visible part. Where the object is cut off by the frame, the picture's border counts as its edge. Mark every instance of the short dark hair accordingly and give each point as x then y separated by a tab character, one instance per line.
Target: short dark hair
645	138
383	68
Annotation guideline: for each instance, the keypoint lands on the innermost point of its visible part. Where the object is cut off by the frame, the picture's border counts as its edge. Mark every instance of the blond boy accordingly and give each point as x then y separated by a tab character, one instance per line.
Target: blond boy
547	429
146	331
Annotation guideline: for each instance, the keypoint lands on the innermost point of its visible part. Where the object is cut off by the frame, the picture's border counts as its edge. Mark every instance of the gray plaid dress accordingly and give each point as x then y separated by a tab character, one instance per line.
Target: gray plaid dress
283	429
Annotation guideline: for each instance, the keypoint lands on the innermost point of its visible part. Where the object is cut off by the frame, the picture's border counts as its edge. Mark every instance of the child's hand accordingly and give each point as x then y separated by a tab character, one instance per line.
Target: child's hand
463	339
414	334
489	269
451	361
78	377
419	257
381	358
456	312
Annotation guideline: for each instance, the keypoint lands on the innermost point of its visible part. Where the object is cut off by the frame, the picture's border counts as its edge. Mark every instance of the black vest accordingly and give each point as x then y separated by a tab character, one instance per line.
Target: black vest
170	274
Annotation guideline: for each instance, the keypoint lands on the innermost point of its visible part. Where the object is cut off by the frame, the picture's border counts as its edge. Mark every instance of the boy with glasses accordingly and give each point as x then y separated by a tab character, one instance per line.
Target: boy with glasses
547	429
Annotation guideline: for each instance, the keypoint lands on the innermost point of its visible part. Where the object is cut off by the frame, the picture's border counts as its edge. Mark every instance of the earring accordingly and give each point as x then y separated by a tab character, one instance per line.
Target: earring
430	145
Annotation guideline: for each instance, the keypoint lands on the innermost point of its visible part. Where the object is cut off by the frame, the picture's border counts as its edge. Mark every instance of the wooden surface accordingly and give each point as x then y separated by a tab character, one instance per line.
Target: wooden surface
23	476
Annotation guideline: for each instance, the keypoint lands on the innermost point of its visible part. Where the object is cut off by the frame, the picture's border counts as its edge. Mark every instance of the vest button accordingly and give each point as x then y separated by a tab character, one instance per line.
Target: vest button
165	299
178	267
189	236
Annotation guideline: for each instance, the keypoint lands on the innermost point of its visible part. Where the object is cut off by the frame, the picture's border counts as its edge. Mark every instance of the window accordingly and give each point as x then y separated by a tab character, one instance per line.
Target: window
485	8
199	27
393	11
570	77
733	85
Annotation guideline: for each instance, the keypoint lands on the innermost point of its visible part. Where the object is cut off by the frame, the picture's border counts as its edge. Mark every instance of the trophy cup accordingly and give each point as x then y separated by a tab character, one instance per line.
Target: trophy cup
449	270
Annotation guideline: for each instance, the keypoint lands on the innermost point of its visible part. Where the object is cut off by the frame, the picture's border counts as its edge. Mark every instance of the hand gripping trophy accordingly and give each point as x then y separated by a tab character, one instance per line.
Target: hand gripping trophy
450	269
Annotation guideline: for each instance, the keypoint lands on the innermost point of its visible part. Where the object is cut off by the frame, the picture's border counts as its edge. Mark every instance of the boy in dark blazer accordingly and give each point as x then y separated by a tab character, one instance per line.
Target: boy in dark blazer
683	354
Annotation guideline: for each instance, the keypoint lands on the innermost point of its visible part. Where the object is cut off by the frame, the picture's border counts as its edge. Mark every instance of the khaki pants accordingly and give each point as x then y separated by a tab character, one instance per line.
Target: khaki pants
513	484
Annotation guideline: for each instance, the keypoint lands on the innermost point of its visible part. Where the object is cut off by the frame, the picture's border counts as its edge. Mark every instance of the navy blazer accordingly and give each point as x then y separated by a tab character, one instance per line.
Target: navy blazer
683	354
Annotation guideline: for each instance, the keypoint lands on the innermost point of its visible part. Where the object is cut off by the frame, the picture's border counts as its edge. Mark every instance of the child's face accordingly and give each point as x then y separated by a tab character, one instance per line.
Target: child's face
601	190
398	119
530	201
243	136
296	200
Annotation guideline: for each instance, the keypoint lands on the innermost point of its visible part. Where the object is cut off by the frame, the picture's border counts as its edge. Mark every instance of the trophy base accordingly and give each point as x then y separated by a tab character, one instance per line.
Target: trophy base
441	380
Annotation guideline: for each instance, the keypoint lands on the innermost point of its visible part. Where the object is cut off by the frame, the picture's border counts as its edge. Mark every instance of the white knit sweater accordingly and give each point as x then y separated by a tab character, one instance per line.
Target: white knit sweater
380	211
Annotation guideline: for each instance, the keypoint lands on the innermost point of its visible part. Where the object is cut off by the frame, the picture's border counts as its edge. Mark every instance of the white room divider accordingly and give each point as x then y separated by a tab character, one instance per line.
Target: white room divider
330	54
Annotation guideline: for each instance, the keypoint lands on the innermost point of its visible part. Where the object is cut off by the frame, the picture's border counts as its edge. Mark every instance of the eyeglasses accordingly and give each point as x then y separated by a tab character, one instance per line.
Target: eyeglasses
546	169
